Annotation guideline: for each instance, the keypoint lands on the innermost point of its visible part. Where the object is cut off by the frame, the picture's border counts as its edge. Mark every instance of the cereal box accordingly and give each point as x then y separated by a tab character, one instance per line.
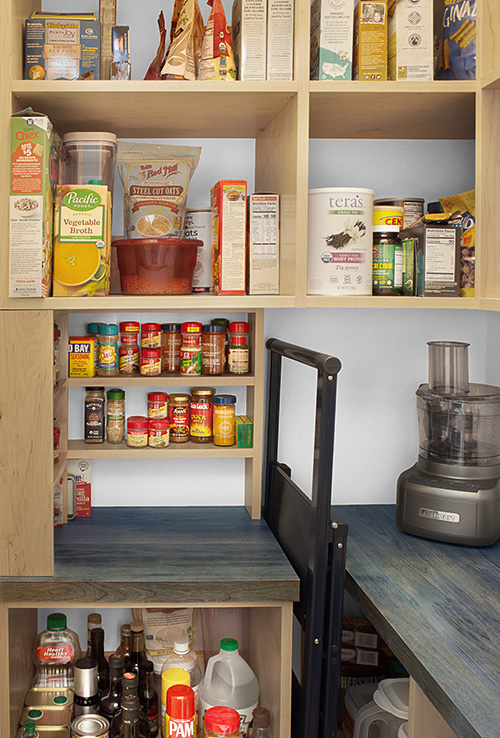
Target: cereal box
62	47
35	150
370	41
263	245
410	45
82	239
331	39
228	237
280	25
81	356
249	23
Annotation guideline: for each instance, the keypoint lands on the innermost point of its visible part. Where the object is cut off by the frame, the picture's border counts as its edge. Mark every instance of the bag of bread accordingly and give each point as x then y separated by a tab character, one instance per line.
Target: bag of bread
154	69
184	53
217	58
156	179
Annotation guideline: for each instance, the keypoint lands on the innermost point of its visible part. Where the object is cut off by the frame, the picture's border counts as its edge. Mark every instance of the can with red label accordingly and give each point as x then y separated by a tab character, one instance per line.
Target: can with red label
180	717
201	411
178	415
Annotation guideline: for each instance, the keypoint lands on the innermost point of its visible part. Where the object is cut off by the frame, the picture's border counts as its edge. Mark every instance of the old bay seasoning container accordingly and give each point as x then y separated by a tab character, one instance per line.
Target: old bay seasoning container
191	348
201	413
224	412
171	342
178	415
94	415
137	431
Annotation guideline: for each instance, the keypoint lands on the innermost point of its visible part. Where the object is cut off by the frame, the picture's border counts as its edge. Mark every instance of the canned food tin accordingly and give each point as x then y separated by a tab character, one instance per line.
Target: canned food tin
387	218
47	696
413	207
86	726
51	716
60	731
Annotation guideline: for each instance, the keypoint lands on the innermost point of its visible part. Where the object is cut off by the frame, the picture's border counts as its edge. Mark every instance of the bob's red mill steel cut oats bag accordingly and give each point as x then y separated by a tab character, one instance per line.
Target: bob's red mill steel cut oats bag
156	179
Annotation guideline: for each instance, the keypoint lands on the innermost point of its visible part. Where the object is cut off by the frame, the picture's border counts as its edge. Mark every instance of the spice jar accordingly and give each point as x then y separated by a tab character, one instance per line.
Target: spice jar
178	415
239	353
191	349
171	342
213	353
107	364
151	362
129	332
150	335
93	332
158	432
224	412
129	348
157	405
201	415
225	323
115	416
221	722
94	415
137	431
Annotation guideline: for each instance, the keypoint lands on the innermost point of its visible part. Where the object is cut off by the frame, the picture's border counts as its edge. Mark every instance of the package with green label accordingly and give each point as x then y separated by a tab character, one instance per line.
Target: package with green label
82	239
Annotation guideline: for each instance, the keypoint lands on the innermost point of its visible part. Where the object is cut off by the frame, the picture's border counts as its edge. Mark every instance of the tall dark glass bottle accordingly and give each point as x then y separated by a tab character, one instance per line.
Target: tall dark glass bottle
110	700
97	653
130	684
148	697
125	643
131	726
138	651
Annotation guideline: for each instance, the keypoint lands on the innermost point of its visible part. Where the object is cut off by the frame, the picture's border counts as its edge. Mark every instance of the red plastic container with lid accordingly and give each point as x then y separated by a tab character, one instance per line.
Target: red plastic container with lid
180	712
221	722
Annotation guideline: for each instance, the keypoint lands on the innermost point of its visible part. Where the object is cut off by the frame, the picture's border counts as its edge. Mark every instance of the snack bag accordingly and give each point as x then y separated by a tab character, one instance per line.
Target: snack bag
457	50
154	69
217	58
184	53
465	204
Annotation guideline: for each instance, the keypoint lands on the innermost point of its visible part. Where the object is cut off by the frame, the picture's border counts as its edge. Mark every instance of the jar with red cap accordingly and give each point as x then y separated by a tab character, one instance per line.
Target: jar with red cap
239	352
222	722
137	431
191	348
158	432
129	347
180	712
150	335
129	332
157	405
151	362
171	342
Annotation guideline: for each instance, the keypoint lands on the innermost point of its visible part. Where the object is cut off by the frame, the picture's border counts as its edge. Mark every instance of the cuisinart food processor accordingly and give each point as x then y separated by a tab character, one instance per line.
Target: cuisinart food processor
452	493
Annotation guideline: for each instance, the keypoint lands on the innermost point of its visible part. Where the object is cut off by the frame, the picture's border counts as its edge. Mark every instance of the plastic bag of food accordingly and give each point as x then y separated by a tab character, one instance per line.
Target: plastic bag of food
217	58
184	53
154	70
465	205
457	50
156	179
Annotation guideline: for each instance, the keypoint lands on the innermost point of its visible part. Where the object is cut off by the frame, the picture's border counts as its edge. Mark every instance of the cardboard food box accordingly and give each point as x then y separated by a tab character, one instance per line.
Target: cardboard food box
82	241
370	41
244	431
264	245
410	40
62	47
228	237
280	25
79	470
436	258
332	25
249	25
35	152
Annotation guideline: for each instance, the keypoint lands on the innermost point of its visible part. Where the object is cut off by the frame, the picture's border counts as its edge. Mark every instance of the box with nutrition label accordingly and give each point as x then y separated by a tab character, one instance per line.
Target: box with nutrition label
228	219
370	41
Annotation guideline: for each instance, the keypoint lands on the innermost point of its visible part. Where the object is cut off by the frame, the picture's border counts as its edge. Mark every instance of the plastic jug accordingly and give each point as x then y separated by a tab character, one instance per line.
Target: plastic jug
388	710
229	681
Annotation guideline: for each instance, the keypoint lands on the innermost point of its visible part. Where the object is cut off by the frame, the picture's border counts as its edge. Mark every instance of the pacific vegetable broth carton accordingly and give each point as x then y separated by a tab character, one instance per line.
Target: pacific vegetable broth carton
332	23
82	240
410	46
370	41
35	150
228	237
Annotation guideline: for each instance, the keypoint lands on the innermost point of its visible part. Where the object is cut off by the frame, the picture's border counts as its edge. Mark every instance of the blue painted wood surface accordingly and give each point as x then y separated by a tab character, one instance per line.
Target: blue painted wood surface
438	606
207	554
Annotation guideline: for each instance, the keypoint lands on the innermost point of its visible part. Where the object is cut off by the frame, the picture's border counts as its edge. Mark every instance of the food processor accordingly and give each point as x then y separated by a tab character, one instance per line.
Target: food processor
452	493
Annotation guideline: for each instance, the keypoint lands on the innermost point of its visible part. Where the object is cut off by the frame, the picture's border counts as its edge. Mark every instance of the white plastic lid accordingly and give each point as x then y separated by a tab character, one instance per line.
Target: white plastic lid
91	136
340	190
403	730
392	695
389	200
181	645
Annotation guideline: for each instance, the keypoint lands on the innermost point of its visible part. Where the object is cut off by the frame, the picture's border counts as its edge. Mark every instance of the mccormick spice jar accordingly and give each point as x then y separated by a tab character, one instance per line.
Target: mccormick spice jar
129	332
191	349
94	415
213	349
239	353
129	348
201	412
171	342
157	405
224	411
137	431
150	335
221	722
158	432
151	362
115	416
178	415
107	363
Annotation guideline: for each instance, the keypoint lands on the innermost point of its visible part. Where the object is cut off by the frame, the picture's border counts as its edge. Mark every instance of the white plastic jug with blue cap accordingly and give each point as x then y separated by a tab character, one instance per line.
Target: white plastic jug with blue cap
388	710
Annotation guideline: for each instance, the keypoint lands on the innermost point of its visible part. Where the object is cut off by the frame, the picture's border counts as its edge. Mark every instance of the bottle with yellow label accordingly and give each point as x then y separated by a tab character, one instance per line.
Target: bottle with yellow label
224	412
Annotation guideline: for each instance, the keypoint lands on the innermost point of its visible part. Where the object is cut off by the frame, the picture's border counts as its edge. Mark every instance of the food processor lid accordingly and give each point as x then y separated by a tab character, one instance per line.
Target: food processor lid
477	393
392	695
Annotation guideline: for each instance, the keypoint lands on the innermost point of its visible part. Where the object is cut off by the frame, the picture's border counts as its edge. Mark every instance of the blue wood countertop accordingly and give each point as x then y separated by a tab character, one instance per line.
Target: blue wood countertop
171	554
438	606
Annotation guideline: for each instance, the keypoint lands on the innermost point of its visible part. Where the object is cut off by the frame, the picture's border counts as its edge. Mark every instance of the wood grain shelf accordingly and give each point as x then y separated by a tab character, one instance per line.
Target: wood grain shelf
78	449
491	80
393	301
166	380
152	303
398	110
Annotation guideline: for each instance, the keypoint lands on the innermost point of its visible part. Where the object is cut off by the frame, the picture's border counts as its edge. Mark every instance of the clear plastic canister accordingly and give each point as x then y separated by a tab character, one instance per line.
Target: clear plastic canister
88	155
448	367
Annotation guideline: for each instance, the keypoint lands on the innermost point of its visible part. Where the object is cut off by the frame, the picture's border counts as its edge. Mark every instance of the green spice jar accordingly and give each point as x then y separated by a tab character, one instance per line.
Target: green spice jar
115	416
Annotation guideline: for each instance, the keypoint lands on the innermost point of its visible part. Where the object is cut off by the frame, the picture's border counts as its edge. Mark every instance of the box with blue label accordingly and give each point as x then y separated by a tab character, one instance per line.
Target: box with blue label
62	47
